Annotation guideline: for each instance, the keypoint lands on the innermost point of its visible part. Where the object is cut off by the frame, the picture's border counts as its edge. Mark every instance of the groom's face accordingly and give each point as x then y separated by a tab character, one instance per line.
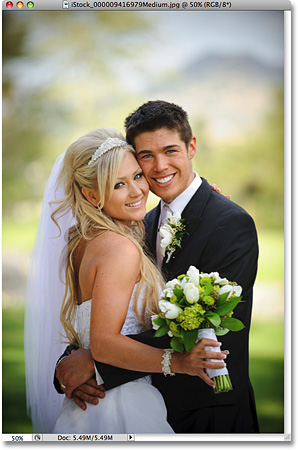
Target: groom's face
166	162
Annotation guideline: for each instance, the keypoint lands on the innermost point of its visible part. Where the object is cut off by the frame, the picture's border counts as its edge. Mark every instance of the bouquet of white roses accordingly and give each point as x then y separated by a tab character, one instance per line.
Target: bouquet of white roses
198	305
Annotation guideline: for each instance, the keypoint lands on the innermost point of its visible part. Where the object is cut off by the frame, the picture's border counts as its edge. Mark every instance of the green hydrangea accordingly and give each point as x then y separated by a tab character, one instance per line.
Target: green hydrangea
173	299
174	329
205	280
208	300
191	317
201	292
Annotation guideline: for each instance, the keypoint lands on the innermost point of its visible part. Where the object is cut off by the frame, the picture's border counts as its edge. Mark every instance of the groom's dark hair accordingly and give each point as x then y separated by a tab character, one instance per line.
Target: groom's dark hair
154	115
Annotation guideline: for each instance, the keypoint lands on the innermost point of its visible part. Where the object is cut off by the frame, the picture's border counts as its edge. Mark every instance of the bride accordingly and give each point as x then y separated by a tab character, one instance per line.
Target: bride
111	290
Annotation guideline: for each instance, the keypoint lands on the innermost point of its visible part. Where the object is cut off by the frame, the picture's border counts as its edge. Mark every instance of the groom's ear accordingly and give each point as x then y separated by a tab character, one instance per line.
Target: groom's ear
192	148
91	196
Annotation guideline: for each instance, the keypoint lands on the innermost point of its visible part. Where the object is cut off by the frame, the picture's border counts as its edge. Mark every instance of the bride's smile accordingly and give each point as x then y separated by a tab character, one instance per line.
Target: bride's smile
128	200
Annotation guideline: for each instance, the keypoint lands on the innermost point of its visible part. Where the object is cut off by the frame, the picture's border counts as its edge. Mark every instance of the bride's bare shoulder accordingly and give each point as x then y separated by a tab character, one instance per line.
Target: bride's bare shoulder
113	244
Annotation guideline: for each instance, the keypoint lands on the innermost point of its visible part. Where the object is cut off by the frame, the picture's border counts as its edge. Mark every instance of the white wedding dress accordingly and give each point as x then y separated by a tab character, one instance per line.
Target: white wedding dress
134	407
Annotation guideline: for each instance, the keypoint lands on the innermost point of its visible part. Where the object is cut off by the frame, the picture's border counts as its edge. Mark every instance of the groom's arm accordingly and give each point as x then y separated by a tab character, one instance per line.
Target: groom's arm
115	376
111	375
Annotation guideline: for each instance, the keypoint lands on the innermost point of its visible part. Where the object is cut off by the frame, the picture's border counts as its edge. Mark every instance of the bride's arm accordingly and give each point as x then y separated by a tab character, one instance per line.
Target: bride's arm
116	275
117	270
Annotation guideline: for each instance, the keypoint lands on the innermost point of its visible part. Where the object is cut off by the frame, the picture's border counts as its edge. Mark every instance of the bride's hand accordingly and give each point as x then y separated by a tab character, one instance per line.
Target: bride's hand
194	362
75	370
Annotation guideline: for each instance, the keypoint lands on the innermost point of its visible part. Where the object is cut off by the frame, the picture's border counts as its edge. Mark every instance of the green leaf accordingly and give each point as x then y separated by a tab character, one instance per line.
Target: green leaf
213	317
189	338
161	331
222	299
177	345
208	289
179	293
221	331
159	321
228	307
232	324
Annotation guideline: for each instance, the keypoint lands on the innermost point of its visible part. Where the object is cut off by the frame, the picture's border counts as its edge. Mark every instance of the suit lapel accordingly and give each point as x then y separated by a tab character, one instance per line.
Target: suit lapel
151	223
192	214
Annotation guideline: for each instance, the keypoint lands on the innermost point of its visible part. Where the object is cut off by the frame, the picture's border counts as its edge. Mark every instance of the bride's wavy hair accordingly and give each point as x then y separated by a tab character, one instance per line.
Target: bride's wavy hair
91	221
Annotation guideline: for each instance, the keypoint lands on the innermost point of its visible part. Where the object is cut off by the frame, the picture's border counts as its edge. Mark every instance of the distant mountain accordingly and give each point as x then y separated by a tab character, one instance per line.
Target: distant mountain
233	66
231	94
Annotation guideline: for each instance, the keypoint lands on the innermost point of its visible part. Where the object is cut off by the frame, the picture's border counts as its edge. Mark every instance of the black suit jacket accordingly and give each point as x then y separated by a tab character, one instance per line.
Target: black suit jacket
220	237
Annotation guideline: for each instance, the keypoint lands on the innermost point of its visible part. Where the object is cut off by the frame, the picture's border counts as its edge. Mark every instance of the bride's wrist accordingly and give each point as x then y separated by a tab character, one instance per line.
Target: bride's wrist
177	362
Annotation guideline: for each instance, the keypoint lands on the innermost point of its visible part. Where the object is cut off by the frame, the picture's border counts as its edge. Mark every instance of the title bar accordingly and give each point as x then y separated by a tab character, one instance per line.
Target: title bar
91	5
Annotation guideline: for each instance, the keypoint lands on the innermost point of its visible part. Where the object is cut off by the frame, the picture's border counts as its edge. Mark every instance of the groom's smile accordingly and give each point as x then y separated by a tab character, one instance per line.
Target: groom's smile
165	162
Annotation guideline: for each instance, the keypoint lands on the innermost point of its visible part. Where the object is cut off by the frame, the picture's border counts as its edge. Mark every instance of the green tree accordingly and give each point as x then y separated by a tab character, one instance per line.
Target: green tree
62	75
250	168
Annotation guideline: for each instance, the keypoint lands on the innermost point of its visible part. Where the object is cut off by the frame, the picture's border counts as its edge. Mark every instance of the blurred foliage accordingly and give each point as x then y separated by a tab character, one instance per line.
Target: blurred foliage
62	78
14	415
52	69
250	167
266	364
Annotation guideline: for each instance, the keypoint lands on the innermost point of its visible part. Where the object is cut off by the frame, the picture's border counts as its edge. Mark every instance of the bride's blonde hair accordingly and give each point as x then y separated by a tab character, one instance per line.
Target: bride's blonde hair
90	221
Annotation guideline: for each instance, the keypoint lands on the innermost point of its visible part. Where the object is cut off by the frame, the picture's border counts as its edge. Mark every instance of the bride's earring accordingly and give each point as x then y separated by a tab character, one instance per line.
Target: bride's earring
99	209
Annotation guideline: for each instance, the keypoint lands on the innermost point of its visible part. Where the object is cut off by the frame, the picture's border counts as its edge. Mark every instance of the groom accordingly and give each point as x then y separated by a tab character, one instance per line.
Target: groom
220	236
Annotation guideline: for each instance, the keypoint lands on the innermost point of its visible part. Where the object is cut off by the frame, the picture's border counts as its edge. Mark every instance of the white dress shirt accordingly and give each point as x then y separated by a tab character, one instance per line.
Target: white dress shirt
179	203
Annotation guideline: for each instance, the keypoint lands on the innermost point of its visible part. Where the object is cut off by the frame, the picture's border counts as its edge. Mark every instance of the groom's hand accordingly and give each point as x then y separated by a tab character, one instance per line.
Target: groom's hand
89	393
75	370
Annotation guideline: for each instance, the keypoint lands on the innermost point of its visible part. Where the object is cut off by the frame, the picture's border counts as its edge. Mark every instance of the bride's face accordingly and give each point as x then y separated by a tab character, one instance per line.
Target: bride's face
128	201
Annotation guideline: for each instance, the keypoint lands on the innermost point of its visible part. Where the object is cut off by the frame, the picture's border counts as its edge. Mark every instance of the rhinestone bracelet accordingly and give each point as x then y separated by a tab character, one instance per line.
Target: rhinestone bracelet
166	362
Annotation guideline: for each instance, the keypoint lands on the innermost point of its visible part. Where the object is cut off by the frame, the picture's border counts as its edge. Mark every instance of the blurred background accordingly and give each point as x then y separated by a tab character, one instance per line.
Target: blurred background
66	73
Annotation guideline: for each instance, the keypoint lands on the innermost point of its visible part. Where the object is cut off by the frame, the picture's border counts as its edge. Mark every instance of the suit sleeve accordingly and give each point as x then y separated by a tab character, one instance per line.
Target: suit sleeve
115	376
232	250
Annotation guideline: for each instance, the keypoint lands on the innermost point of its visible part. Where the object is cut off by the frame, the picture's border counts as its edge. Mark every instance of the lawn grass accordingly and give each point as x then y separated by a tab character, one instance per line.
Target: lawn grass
266	371
14	416
271	256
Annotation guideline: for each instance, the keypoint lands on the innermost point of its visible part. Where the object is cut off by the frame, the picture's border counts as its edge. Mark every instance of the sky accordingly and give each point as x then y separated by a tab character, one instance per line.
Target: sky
198	33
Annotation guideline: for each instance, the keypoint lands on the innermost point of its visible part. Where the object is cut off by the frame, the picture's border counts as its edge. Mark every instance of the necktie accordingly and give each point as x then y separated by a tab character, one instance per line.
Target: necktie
163	218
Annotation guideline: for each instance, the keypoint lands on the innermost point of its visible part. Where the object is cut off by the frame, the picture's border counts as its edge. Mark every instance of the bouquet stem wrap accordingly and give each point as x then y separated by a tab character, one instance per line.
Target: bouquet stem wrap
199	305
220	376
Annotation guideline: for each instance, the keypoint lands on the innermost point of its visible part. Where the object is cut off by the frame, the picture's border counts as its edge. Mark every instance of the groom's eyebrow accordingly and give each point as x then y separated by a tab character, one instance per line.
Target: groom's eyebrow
167	147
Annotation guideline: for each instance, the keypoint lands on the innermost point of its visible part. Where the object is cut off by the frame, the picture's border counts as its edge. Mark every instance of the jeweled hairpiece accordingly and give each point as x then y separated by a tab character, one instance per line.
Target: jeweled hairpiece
107	145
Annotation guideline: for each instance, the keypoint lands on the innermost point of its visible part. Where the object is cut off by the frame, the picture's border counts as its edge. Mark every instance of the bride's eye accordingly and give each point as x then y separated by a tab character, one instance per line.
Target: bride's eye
138	176
118	185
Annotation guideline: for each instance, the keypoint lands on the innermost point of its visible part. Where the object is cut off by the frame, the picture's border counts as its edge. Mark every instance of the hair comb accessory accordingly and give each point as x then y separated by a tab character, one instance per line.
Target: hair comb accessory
107	145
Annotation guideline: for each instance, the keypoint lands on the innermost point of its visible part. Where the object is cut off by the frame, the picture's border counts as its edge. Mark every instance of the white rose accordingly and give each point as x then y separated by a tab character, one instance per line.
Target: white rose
183	282
203	275
215	276
231	289
170	310
237	290
193	275
169	288
173	218
166	236
218	279
167	293
191	293
227	288
172	283
154	326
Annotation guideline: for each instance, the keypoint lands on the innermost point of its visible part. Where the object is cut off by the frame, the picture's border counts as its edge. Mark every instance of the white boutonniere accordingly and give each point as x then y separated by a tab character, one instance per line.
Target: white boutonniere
171	234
